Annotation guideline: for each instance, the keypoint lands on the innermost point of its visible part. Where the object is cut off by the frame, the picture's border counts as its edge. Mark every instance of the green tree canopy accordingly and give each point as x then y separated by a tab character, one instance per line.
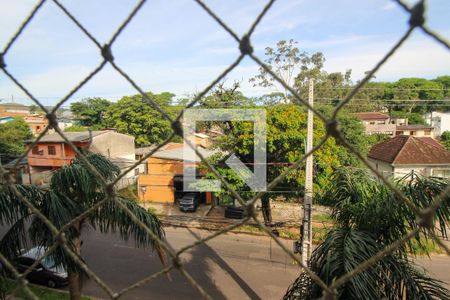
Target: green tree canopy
286	138
12	137
73	190
90	111
135	116
445	140
369	217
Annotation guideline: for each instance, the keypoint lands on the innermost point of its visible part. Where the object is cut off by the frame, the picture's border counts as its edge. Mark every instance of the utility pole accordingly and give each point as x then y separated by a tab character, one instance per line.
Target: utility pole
306	242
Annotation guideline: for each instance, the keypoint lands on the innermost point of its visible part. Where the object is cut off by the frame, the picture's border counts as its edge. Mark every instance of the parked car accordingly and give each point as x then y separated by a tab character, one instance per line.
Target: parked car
45	272
189	202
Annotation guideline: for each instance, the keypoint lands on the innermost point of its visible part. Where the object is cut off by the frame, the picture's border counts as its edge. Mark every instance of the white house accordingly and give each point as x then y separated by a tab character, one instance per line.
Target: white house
439	120
402	154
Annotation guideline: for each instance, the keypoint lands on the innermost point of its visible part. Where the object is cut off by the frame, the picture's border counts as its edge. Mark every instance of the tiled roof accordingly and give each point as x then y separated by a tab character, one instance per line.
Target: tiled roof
414	127
372	116
410	150
71	136
177	153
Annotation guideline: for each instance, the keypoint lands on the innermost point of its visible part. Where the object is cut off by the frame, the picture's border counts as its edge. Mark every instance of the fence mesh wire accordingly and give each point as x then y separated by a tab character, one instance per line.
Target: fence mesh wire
416	22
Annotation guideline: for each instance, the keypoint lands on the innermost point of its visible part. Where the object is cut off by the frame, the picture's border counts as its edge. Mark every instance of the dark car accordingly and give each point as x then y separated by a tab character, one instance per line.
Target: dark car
45	272
189	202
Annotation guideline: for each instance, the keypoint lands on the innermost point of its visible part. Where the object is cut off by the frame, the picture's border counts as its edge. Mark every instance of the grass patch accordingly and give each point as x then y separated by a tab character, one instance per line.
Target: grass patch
322	217
8	287
425	246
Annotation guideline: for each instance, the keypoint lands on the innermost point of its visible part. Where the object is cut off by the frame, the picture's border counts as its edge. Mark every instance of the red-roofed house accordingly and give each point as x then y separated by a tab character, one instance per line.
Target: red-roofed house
376	122
403	154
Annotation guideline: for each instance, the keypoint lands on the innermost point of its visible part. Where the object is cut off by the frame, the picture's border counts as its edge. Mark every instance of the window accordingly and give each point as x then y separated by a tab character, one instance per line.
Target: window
372	123
427	133
136	172
51	150
35	150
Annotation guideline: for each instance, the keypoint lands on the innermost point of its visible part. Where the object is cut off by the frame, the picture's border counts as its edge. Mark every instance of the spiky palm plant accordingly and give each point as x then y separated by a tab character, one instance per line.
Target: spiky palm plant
73	190
369	217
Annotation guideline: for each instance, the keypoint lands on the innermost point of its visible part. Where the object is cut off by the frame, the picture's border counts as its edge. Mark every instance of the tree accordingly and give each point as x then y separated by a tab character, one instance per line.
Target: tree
73	190
12	137
445	140
445	83
286	137
90	111
413	118
353	131
133	115
223	96
284	61
369	217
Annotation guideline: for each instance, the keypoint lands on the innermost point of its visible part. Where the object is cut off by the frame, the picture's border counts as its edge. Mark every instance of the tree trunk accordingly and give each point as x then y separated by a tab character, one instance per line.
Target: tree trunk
266	211
74	277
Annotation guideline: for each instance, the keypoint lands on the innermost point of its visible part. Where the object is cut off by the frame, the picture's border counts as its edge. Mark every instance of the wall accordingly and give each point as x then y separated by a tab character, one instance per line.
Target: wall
113	144
382	167
387	170
417	133
440	121
379	126
158	183
63	155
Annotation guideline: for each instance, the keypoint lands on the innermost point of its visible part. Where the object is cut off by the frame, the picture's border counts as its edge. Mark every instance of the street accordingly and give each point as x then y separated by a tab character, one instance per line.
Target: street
230	266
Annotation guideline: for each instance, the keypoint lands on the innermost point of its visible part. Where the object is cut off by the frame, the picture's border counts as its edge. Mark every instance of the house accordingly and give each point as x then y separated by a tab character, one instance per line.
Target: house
375	122
402	154
37	124
52	151
439	120
415	130
163	181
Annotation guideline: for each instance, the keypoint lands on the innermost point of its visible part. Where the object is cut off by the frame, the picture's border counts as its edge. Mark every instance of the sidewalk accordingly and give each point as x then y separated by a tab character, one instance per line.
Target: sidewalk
286	223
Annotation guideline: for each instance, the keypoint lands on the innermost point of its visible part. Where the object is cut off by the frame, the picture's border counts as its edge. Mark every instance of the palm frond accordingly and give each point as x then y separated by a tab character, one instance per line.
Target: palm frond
111	218
79	183
11	207
343	250
15	239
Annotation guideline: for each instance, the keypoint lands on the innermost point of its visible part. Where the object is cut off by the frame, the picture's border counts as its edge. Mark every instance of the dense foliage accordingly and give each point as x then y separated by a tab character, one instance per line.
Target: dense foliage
73	190
369	217
90	111
12	137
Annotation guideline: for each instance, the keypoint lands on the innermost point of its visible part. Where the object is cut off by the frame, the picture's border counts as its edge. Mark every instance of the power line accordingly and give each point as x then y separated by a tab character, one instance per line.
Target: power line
383	88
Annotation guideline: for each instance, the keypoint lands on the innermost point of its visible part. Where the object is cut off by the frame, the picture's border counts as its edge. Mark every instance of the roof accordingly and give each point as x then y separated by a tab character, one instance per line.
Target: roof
71	136
122	163
177	153
372	116
414	127
410	150
144	150
12	163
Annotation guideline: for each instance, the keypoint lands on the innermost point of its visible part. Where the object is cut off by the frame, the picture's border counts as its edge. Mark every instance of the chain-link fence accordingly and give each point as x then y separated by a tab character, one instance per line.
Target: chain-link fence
416	22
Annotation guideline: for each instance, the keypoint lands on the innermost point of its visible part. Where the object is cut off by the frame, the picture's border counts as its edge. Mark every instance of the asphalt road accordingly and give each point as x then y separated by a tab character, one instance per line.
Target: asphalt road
231	266
228	267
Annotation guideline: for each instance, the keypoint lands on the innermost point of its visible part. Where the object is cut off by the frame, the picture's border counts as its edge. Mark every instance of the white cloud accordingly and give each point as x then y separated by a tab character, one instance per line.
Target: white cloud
418	57
389	6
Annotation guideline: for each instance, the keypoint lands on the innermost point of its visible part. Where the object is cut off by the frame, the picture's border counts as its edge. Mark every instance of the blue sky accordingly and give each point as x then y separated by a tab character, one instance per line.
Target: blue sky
175	46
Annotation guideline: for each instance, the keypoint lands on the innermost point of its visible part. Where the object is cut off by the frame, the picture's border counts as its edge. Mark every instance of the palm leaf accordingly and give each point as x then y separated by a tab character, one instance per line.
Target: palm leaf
343	250
112	218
